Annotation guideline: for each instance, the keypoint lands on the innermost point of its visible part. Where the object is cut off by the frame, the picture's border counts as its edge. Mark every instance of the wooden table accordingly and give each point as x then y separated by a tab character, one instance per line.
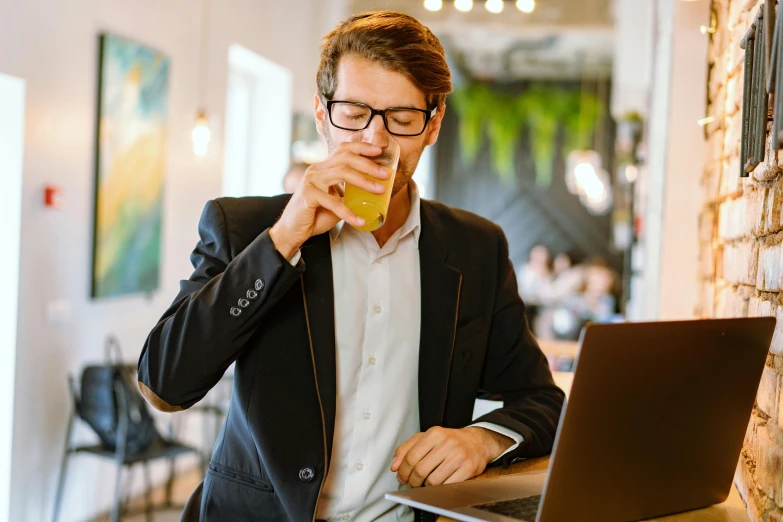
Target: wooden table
733	510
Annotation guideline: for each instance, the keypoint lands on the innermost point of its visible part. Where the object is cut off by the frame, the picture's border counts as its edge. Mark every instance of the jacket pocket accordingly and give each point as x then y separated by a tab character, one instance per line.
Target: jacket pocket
239	497
241	478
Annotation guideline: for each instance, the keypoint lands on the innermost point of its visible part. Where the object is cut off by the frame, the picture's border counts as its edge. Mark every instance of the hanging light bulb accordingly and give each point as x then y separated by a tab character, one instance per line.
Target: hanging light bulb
597	195
526	6
581	166
201	134
494	6
631	173
433	5
463	5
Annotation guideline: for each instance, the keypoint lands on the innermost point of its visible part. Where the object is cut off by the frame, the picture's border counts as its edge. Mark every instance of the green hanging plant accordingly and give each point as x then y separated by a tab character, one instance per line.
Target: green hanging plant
501	117
544	108
579	122
504	127
473	104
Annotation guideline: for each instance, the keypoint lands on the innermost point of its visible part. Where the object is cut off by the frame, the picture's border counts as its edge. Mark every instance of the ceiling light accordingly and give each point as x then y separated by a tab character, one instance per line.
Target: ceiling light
463	5
526	6
201	134
494	6
433	5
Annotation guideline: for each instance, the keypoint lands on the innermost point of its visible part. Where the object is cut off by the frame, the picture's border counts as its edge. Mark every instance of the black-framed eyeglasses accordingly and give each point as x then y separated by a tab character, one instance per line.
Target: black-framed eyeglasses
399	121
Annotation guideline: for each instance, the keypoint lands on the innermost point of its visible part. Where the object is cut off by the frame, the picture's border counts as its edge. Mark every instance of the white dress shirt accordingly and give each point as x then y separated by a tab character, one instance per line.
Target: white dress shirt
377	303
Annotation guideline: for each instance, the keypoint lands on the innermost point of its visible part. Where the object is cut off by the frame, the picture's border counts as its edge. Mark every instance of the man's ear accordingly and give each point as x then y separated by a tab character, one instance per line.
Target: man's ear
320	114
433	129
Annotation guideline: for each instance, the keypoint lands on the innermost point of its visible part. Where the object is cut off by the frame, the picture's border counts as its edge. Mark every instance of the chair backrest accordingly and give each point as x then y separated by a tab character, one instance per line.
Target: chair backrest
110	403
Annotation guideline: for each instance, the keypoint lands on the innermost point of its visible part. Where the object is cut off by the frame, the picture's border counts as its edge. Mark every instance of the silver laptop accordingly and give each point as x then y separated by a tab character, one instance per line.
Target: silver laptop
654	425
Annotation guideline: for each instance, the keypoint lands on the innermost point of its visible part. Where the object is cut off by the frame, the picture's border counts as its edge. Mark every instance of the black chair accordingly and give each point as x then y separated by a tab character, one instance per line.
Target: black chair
161	448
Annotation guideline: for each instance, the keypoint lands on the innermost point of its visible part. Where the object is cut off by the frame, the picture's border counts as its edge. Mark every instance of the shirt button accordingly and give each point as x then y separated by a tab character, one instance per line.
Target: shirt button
372	361
346	517
367	415
359	466
378	309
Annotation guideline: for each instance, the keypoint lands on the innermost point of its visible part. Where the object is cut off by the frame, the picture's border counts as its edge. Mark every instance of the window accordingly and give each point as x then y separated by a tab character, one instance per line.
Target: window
258	125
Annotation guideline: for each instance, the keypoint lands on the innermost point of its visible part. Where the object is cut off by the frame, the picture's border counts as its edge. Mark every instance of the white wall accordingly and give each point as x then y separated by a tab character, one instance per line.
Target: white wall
633	54
684	163
52	45
675	156
11	136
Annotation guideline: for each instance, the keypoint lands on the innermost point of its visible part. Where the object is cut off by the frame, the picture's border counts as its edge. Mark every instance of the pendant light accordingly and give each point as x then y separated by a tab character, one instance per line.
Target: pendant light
201	134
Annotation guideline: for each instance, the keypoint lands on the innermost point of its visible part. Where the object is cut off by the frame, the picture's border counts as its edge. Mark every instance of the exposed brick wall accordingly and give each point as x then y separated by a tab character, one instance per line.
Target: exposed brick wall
741	250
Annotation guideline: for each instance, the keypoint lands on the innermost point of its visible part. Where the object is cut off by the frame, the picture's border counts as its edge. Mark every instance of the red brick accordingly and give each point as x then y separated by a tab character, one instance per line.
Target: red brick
706	227
777	339
707	262
730	177
715	147
720	269
769	463
757	198
771	166
733	134
722	302
740	263
751	6
734	103
718	77
769	269
772	213
768	393
738	90
708	300
711	181
780	405
751	435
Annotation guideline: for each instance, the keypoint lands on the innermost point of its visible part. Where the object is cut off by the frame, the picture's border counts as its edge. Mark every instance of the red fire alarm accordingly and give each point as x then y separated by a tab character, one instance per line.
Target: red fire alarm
53	197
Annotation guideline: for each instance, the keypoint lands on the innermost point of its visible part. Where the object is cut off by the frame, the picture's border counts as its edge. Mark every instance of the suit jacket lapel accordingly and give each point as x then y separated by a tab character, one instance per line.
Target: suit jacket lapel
440	291
318	290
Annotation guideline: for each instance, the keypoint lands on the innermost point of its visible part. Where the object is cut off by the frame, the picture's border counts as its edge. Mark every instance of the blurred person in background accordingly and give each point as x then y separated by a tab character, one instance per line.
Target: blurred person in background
294	176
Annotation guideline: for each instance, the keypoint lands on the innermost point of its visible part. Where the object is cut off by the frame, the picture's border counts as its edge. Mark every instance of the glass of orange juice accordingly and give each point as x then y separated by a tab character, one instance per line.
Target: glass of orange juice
373	208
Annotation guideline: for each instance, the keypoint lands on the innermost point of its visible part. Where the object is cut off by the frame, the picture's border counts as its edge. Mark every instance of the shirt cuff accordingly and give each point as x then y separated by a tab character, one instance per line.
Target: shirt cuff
295	260
513	435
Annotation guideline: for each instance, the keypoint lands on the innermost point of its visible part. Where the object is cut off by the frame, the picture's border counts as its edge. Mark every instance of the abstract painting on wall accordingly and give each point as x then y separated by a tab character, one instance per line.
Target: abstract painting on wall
130	162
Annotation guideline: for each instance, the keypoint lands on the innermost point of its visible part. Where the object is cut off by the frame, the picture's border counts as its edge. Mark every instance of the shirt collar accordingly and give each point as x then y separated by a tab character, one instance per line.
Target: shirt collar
412	223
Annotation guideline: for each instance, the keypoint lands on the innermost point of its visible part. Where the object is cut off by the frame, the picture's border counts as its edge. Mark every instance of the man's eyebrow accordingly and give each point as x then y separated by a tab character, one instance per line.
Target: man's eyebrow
396	106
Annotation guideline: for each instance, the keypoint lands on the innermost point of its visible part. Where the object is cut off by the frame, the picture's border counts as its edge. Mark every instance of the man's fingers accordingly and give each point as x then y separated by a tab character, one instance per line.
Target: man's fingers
402	450
427	465
446	469
317	198
460	475
413	456
334	176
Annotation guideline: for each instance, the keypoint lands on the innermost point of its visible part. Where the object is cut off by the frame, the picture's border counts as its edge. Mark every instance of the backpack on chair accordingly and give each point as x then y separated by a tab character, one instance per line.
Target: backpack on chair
99	404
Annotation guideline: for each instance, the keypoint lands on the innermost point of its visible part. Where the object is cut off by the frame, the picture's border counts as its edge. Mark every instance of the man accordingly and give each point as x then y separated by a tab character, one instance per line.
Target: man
358	355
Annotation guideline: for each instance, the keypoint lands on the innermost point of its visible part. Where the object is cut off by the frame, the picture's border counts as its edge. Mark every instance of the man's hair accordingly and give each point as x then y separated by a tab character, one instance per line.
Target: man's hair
394	40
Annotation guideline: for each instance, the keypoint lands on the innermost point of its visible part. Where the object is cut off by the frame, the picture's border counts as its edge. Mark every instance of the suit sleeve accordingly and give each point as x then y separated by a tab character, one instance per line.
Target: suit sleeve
516	369
218	308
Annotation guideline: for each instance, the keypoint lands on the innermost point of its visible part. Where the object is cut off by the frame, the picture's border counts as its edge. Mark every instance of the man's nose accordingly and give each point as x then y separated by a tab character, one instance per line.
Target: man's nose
377	132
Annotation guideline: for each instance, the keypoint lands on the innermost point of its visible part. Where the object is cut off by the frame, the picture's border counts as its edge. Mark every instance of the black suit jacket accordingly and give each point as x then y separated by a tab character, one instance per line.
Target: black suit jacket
273	453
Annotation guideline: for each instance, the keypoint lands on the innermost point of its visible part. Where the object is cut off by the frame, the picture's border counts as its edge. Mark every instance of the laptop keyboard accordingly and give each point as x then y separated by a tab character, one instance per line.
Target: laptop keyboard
519	508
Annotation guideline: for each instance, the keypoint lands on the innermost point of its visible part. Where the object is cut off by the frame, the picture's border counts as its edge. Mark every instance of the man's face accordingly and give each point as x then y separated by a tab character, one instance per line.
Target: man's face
364	81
